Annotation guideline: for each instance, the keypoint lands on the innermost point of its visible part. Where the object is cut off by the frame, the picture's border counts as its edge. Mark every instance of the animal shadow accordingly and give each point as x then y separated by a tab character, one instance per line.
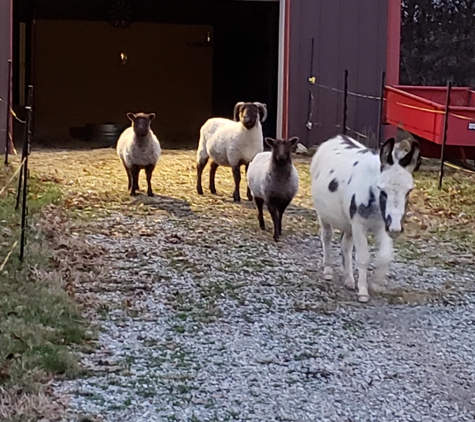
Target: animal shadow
174	206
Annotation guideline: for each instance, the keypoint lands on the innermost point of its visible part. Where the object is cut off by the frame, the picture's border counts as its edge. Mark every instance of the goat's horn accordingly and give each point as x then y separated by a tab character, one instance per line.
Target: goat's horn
262	107
237	108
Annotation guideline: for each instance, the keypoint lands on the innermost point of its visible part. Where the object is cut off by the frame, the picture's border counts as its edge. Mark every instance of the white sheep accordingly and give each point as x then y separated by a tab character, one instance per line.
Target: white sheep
358	191
138	148
231	144
273	180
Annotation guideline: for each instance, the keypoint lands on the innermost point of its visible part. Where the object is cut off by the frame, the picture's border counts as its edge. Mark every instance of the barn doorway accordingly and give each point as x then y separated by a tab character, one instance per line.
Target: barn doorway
92	61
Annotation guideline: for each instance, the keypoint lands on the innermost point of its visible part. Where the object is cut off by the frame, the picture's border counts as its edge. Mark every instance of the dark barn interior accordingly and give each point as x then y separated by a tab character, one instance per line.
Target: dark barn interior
92	61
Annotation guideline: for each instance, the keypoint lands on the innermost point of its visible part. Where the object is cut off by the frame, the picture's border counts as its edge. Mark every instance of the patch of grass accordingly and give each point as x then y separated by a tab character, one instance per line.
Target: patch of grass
38	320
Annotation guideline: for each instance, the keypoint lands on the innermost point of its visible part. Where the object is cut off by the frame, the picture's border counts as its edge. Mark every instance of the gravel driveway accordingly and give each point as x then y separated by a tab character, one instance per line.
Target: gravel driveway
204	318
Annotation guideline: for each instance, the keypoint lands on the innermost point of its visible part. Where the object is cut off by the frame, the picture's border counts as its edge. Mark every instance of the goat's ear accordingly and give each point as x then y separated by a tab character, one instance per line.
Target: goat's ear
131	116
412	160
270	142
386	153
151	116
293	141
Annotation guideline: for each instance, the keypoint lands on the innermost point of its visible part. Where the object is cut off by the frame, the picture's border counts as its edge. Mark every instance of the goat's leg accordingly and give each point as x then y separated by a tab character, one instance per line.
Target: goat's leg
362	260
212	176
384	257
249	194
148	172
346	245
237	181
135	170
326	235
260	216
274	213
199	173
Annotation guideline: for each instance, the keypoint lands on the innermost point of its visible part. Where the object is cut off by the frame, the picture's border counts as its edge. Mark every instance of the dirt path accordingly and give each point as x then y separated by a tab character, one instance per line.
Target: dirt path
205	318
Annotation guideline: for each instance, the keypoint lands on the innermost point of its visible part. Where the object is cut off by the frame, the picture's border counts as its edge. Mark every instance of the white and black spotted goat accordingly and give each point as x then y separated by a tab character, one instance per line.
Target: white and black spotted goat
357	191
231	144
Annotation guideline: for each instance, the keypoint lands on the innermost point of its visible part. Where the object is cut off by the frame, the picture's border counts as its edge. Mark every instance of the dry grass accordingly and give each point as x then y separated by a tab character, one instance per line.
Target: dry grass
38	320
95	183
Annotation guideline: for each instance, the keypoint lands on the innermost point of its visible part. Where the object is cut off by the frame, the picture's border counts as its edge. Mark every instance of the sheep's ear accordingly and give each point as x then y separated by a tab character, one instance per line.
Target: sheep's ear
151	116
270	142
131	116
412	160
293	141
386	153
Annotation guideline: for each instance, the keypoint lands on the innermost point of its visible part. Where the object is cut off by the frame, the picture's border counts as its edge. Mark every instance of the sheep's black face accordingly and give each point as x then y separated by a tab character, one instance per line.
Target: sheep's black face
141	123
141	126
282	149
248	115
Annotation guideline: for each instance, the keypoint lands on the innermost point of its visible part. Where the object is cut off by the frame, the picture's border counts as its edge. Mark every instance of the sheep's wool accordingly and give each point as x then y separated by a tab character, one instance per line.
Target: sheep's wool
138	152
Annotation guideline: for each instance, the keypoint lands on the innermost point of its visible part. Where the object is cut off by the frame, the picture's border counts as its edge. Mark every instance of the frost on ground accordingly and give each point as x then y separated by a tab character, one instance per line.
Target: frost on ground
205	318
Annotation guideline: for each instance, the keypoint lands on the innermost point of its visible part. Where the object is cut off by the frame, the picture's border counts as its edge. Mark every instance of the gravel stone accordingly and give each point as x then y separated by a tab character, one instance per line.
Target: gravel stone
229	326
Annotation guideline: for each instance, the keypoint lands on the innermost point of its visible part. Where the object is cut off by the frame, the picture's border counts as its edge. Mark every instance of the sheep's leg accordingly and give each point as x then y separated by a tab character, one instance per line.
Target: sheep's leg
384	257
237	181
212	176
129	179
326	236
260	216
346	245
199	170
135	170
148	172
274	213
362	260
281	207
249	194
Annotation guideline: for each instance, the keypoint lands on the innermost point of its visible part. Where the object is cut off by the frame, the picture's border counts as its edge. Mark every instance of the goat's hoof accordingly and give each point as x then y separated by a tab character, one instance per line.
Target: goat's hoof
262	226
237	199
276	238
200	191
150	194
363	298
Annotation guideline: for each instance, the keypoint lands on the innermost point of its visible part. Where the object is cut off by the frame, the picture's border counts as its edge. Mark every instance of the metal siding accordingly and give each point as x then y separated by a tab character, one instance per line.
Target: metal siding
348	35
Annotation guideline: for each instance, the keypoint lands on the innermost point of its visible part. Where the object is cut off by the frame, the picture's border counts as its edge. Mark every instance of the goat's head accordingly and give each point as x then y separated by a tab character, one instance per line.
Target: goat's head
248	113
141	123
398	161
282	149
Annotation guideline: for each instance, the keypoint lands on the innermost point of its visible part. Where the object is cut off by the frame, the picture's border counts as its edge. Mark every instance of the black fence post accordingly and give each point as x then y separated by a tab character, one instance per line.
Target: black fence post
381	107
345	103
26	150
444	138
8	114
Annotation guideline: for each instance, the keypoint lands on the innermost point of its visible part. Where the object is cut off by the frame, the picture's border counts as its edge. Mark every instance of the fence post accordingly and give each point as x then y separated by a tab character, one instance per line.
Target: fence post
381	107
8	114
345	102
444	138
26	150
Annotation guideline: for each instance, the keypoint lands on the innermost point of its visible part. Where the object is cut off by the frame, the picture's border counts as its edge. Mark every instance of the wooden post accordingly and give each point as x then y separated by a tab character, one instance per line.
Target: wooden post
444	138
